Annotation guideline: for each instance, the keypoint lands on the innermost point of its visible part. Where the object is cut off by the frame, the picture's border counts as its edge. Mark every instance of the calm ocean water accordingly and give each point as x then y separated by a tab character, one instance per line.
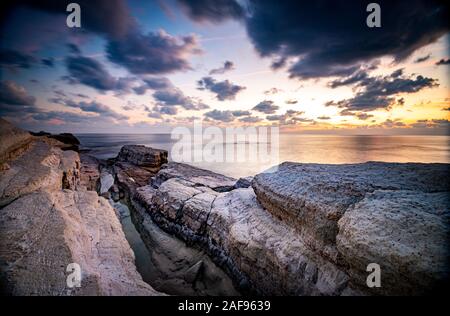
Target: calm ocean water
295	147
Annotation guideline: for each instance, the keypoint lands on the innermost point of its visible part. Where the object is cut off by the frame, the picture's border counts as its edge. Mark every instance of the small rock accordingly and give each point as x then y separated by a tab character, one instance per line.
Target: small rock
244	183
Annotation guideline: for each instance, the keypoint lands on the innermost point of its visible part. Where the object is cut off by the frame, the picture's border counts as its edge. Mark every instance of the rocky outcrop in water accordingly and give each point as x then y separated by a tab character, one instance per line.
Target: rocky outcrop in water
48	220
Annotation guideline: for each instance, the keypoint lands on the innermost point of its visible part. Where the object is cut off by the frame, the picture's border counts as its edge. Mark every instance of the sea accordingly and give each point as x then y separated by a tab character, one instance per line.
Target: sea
325	149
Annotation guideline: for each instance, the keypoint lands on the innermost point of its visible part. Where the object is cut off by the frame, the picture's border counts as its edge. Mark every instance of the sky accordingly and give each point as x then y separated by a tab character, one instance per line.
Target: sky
150	66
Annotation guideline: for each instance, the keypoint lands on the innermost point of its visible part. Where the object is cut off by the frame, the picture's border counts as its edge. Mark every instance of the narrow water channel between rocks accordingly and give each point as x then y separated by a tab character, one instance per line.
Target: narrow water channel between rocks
169	265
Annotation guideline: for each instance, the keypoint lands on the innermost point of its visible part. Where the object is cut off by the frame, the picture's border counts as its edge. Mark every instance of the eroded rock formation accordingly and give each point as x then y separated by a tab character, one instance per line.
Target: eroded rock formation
311	229
48	220
304	229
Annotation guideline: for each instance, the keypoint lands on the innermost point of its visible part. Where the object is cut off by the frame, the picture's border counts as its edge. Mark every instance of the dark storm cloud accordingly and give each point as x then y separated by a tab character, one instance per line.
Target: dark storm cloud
329	37
227	66
127	45
422	59
224	90
380	92
223	116
173	96
212	11
168	110
154	53
106	17
13	58
266	107
443	62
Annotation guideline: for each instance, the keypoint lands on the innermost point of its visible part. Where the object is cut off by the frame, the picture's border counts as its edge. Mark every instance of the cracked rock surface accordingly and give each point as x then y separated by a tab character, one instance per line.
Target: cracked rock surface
48	220
310	229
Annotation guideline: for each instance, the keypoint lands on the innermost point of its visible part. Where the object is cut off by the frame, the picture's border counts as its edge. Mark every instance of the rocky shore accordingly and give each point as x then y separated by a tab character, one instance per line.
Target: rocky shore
304	229
48	220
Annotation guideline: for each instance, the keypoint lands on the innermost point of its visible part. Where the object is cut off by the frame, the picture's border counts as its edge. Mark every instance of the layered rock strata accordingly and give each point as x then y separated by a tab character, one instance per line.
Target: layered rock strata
49	221
310	229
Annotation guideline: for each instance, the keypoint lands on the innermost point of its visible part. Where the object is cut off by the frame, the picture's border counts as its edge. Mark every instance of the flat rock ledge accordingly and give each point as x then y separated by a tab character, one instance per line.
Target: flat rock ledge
311	229
48	220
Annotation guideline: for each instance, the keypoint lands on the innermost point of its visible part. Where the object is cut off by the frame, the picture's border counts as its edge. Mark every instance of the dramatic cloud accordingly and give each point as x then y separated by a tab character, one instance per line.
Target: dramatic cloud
224	90
250	119
173	96
380	92
90	72
239	113
290	117
227	66
443	62
92	107
331	38
422	59
12	58
352	79
212	11
153	83
223	116
266	107
105	17
49	62
14	99
154	53
14	94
